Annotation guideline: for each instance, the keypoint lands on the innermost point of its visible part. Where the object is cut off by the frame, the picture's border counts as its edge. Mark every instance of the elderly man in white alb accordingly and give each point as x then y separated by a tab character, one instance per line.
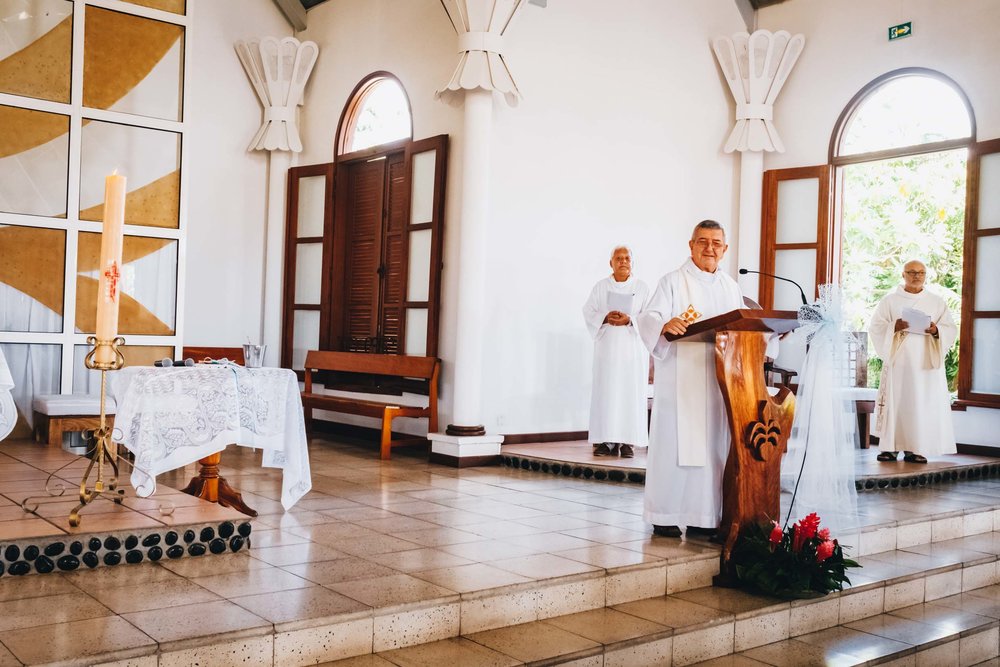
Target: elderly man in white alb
689	433
621	362
912	331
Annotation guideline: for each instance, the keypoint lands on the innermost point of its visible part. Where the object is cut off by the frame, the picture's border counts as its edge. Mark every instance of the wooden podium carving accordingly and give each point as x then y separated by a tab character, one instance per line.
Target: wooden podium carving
759	423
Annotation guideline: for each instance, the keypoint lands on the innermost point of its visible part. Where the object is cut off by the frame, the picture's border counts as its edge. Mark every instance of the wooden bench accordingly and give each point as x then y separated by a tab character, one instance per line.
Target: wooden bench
413	374
55	414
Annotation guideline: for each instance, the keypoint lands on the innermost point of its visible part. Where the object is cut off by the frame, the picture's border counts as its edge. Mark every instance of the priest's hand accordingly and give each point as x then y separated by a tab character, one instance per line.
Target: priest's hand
932	330
677	327
617	318
901	324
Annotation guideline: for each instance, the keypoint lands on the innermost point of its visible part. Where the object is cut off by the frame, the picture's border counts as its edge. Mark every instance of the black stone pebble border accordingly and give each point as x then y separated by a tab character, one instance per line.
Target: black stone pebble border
972	472
66	555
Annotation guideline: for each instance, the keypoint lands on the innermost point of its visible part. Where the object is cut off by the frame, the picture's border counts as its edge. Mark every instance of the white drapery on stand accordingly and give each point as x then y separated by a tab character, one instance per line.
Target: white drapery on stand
278	71
481	25
756	67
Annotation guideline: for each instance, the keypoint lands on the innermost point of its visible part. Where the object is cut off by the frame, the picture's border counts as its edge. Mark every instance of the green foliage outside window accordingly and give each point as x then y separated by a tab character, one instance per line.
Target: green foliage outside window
894	211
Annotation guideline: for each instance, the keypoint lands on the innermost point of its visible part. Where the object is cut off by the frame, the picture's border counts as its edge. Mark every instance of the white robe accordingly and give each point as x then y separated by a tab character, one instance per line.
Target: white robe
913	407
621	367
676	494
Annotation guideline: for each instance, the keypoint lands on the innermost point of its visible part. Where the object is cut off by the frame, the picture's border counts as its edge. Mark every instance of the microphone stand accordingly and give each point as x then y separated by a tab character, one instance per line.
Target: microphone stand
802	293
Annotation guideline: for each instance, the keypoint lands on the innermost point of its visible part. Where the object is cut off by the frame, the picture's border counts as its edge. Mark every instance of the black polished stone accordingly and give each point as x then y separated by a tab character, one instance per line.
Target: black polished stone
244	529
31	552
170	537
90	559
151	540
217	546
112	558
236	543
76	548
189	536
133	556
2	568
20	568
131	542
54	549
197	549
44	565
94	544
175	551
12	553
226	529
155	553
111	543
68	563
207	534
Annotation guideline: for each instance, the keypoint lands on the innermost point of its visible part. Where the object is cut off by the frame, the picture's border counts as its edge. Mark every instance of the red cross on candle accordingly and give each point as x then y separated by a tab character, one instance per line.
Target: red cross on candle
112	275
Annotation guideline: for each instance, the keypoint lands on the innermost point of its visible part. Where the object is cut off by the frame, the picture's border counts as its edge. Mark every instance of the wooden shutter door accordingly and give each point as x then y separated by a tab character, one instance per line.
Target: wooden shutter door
790	246
393	267
363	256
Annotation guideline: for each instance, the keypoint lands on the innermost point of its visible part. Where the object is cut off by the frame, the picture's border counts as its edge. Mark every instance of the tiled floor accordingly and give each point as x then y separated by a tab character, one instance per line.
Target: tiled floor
394	534
581	452
25	469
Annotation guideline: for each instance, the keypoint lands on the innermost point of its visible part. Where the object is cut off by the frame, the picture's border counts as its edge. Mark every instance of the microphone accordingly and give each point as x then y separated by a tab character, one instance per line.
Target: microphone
805	302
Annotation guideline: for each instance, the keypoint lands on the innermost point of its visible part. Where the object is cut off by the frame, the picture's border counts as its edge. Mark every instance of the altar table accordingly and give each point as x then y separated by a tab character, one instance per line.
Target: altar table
171	417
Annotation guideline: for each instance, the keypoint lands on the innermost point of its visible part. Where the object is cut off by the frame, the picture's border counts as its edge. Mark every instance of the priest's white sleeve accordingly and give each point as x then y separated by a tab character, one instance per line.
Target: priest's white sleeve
947	331
881	329
651	320
594	312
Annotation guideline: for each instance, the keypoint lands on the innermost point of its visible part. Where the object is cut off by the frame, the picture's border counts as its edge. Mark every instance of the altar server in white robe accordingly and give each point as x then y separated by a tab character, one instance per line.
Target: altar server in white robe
912	331
689	433
621	361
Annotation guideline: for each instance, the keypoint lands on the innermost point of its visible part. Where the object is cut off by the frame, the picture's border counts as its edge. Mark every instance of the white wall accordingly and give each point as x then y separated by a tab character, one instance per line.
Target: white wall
847	47
618	140
227	186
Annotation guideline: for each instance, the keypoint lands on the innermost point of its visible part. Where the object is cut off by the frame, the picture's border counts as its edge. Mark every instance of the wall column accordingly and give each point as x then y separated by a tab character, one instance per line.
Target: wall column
278	164
748	234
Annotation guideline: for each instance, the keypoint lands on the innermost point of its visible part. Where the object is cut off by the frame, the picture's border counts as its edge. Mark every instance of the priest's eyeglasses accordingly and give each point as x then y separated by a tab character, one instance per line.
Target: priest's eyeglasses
915	273
715	243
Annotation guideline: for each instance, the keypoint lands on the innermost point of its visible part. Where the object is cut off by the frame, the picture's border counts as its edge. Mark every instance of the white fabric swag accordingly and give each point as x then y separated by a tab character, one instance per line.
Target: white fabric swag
278	71
756	67
481	25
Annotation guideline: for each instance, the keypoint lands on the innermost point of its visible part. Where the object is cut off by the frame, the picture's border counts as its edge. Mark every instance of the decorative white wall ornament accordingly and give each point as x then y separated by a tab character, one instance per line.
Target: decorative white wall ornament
481	25
756	67
278	70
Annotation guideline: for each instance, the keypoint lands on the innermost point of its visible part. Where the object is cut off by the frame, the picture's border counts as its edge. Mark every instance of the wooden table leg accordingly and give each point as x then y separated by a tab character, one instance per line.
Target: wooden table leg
209	486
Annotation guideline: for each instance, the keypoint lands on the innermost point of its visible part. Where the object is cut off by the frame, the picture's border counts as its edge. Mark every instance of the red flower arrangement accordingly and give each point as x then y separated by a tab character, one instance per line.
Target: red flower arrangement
799	561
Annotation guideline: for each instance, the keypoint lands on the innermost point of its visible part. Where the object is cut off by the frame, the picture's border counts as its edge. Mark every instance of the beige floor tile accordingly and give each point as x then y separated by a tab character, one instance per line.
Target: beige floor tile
335	571
900	629
467	578
457	651
941	615
392	590
192	621
78	639
252	582
488	550
32	612
533	641
128	575
273	537
859	645
607	626
207	566
293	554
154	595
674	612
299	604
19	528
15	588
439	536
110	523
543	566
415	560
606	556
396	524
370	660
730	599
793	653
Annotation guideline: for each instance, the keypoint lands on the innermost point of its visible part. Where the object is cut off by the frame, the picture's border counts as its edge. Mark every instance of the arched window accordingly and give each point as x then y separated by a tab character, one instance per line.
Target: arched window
378	113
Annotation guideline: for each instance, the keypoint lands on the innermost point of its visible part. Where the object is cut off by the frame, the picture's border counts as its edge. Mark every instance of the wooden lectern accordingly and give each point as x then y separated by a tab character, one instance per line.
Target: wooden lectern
758	422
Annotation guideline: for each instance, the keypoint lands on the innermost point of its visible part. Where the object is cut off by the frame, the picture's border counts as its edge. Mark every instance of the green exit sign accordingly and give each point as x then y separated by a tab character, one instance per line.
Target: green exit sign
900	31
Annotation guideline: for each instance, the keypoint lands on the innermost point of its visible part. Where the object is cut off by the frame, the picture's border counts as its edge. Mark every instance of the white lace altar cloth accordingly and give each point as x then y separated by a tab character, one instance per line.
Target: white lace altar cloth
171	417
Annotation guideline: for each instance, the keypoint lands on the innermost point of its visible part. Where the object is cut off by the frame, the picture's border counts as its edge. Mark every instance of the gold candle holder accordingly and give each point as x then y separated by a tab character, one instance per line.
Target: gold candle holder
104	446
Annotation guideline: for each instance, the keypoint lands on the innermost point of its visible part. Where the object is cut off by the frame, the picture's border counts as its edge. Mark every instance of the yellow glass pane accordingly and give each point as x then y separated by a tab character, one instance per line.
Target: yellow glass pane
36	49
34	162
132	64
172	6
31	278
147	265
150	161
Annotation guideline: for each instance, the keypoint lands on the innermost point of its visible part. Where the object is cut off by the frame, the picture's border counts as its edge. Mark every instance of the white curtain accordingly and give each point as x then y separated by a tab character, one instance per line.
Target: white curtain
756	67
481	25
278	70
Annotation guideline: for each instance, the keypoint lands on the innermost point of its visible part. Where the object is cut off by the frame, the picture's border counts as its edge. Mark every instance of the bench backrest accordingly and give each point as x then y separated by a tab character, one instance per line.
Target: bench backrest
392	365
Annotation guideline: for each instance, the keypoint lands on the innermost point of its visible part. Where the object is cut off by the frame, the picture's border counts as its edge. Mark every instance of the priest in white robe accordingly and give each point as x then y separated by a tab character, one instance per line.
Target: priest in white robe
912	331
621	361
689	434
